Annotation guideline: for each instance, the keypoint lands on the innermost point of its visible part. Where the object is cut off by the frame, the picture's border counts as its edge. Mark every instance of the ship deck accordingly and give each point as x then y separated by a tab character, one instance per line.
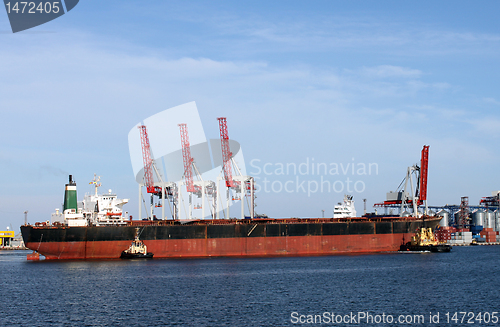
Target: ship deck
277	221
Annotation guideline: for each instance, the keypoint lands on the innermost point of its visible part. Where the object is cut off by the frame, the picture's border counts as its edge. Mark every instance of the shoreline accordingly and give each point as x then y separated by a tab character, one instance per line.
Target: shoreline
12	248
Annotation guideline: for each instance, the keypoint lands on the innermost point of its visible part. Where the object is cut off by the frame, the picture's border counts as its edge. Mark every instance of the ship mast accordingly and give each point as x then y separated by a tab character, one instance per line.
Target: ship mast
97	183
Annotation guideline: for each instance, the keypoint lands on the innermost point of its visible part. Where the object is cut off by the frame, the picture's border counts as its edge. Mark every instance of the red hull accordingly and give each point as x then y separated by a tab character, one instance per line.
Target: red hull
229	247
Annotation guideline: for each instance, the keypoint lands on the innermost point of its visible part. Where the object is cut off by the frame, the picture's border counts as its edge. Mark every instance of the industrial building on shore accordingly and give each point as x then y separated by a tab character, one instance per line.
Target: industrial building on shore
10	241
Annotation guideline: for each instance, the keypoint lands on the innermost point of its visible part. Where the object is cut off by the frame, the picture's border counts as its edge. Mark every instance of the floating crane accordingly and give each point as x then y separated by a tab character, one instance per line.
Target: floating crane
411	196
160	189
239	183
199	188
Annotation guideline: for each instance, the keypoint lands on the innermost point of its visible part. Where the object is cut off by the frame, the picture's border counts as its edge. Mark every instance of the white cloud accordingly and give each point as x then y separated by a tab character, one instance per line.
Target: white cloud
440	112
388	71
315	30
328	33
491	101
487	126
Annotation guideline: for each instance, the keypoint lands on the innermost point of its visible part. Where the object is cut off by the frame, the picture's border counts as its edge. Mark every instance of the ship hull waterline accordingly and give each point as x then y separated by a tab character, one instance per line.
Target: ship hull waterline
223	240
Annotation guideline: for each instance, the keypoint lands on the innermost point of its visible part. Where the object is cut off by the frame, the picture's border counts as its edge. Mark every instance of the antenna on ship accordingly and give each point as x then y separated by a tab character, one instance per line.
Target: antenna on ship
26	218
96	181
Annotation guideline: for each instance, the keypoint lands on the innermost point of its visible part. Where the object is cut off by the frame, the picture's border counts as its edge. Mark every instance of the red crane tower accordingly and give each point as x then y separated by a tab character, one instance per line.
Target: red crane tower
148	162
226	152
424	165
187	159
239	183
409	196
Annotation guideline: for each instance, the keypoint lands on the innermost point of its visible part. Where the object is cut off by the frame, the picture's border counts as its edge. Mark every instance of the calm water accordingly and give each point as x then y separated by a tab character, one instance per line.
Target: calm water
247	292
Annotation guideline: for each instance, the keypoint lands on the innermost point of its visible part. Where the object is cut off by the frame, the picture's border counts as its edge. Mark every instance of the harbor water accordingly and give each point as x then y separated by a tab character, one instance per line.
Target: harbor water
252	292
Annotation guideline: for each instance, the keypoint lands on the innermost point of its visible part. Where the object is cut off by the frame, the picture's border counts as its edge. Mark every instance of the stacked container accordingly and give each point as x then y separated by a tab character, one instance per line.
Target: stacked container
489	234
462	236
443	234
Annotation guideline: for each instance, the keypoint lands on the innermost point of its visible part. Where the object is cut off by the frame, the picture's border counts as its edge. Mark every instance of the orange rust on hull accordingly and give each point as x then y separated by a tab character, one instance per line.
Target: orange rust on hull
33	256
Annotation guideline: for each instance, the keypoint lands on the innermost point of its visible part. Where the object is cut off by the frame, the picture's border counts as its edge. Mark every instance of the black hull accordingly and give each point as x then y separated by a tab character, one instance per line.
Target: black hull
425	248
126	255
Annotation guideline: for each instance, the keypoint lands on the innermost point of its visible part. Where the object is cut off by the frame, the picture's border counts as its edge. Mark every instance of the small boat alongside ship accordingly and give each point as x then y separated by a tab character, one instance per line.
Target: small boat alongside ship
137	249
424	241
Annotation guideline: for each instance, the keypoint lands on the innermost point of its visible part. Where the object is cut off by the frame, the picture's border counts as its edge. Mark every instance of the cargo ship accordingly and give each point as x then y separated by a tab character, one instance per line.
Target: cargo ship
97	228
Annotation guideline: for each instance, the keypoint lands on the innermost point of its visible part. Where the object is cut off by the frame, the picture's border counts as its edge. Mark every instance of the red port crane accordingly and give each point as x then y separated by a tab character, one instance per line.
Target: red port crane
407	196
226	152
187	159
241	184
148	162
424	165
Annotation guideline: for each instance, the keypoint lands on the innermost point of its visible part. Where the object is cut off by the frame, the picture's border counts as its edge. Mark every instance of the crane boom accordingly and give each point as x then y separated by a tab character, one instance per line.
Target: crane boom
226	152
187	159
148	162
424	165
419	195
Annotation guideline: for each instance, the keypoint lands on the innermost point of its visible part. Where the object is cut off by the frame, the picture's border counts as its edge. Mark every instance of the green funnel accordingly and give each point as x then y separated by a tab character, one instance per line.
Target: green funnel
70	201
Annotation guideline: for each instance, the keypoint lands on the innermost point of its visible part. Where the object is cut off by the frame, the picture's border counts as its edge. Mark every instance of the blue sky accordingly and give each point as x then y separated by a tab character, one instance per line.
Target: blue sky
337	81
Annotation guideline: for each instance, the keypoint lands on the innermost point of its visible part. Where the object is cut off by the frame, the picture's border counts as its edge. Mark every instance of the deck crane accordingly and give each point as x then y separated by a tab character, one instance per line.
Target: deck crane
405	196
239	183
160	189
200	188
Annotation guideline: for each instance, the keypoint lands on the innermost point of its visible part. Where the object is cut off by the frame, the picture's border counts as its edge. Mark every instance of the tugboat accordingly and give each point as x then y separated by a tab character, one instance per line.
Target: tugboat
137	249
424	241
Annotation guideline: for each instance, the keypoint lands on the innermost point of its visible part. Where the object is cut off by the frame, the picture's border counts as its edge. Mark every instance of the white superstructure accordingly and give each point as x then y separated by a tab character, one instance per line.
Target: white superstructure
95	209
345	209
